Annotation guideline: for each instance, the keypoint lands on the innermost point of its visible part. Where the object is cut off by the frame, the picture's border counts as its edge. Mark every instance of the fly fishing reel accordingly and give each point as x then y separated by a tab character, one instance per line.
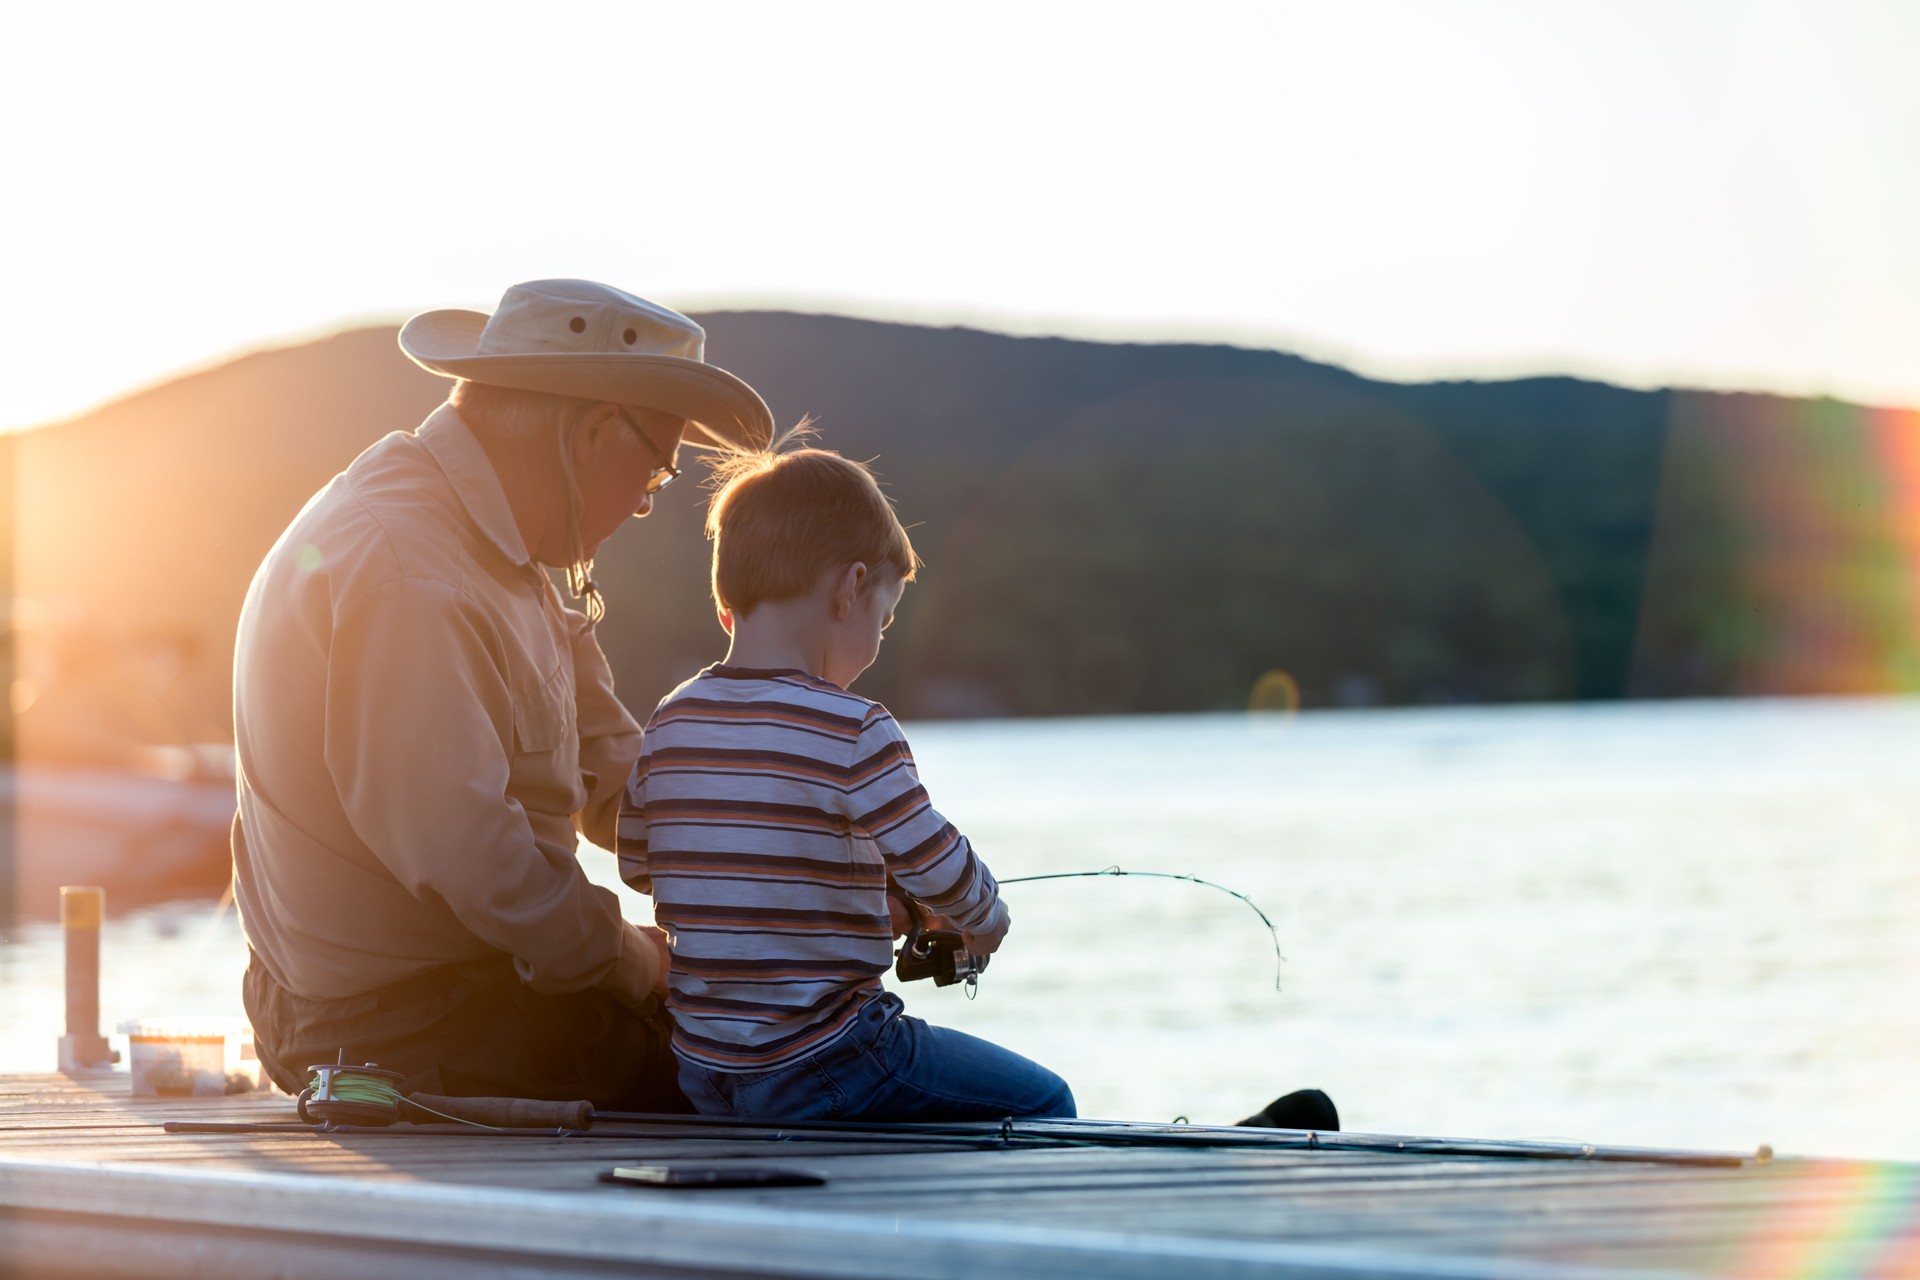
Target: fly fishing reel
343	1094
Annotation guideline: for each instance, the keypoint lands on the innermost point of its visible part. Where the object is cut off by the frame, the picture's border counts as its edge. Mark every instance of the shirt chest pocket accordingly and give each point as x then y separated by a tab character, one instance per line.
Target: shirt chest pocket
543	713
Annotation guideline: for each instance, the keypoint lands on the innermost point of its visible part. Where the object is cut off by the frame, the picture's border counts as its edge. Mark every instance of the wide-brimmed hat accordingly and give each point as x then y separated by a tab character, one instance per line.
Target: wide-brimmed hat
578	338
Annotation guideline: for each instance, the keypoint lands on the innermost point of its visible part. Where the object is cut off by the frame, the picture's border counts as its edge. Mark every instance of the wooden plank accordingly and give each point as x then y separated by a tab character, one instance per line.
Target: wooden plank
653	1233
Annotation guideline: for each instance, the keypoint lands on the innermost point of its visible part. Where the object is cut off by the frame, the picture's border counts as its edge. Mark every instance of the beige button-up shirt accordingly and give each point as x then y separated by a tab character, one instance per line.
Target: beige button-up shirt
422	728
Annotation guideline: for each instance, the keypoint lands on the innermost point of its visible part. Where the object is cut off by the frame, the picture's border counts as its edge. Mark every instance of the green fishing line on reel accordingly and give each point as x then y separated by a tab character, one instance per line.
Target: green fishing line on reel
340	1093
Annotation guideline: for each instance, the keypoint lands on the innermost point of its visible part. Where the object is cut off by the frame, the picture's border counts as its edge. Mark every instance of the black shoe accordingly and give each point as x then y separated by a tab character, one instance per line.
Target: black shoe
1301	1109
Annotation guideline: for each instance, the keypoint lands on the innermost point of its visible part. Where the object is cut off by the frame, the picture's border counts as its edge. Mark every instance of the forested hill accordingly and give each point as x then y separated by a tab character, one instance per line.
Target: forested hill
1107	527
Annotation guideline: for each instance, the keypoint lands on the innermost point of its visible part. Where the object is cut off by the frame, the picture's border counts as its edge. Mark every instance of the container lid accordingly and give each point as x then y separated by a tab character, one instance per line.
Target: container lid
189	1027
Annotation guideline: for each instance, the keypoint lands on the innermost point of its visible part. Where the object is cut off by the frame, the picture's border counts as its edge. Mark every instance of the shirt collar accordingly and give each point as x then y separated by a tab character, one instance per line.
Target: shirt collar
453	445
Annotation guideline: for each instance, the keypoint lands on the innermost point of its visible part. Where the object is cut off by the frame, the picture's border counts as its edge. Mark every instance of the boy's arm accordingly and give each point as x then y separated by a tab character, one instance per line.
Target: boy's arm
926	856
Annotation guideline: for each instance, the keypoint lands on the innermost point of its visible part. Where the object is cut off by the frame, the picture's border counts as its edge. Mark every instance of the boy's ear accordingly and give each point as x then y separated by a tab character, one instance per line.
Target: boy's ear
847	584
726	618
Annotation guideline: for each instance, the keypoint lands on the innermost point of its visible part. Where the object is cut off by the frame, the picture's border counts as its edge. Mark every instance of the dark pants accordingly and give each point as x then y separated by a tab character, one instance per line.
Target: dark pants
473	1030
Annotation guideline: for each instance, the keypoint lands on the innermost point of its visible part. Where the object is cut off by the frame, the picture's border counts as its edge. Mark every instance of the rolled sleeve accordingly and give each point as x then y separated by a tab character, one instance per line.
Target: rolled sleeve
419	739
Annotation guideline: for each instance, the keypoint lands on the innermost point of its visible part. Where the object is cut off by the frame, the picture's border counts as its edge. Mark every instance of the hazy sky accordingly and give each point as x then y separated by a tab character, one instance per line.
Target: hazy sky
1714	193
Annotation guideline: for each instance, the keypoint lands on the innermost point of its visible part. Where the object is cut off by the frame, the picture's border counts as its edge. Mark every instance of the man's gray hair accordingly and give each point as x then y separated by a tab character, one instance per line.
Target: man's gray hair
510	413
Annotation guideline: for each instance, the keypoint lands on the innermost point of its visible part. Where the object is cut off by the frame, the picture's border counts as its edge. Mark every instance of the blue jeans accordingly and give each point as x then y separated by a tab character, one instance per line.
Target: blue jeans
887	1066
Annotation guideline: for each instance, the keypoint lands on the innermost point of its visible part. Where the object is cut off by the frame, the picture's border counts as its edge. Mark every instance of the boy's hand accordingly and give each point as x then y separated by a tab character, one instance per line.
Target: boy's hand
901	912
988	940
983	943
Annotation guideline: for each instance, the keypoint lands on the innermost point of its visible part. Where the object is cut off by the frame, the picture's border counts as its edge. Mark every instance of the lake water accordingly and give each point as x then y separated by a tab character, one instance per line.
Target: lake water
1684	924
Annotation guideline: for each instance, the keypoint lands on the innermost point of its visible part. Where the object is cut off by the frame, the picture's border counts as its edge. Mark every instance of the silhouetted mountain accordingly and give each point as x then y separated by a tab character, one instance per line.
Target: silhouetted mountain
1107	527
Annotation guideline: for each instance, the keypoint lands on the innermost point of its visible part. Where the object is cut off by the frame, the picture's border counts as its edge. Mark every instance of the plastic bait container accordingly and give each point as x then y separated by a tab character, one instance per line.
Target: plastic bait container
191	1057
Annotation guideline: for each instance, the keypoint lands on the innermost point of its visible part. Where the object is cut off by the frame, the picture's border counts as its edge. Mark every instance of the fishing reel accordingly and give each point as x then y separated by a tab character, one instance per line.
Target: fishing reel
940	954
340	1093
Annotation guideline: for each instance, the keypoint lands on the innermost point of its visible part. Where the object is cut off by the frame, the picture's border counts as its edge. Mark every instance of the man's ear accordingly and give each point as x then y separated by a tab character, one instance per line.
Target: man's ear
847	584
593	432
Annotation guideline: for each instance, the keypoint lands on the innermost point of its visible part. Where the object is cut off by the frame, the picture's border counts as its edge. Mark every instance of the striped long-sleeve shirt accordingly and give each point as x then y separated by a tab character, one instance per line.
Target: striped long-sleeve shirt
766	814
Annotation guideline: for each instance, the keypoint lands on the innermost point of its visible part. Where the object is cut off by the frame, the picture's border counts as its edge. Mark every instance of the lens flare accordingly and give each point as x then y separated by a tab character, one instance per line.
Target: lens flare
1861	1224
1275	691
1786	551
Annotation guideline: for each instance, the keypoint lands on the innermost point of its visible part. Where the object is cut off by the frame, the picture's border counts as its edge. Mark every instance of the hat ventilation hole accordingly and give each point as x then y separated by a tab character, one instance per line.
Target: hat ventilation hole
577	324
630	336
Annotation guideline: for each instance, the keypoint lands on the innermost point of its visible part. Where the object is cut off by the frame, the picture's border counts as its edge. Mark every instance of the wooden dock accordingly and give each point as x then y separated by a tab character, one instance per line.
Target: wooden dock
92	1185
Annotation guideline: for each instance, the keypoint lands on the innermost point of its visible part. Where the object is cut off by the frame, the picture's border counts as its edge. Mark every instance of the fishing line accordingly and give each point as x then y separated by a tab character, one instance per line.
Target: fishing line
1279	958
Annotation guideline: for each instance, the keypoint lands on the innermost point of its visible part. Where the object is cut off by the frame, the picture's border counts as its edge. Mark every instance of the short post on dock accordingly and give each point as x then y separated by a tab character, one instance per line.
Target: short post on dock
82	908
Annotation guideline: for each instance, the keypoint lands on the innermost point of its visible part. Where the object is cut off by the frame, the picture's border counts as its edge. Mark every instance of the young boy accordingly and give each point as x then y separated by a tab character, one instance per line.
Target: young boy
771	810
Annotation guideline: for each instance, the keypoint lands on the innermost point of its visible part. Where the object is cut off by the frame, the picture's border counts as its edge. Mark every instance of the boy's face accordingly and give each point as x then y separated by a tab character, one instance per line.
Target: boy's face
854	641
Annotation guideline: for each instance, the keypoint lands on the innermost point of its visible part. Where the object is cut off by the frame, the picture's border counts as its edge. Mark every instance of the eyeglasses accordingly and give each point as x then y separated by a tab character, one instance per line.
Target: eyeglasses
664	474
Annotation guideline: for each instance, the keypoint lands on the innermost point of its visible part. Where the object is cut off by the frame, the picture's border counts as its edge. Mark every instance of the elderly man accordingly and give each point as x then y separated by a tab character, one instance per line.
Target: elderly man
423	726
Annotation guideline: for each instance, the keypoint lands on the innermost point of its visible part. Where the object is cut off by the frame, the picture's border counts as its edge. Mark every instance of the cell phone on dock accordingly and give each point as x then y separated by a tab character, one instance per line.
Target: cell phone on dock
709	1175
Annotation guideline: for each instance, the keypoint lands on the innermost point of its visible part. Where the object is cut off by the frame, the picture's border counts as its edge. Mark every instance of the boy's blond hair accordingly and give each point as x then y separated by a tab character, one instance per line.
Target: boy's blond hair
780	519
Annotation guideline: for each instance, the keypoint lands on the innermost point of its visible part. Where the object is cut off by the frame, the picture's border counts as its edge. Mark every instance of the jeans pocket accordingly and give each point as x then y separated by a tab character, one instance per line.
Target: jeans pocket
803	1090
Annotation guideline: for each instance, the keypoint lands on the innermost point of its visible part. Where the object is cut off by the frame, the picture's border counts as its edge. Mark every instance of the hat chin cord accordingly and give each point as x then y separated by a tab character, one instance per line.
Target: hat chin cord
579	570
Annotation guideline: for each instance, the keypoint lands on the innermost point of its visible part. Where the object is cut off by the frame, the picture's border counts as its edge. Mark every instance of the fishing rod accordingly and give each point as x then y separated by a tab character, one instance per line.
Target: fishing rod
941	954
1003	1134
464	1129
346	1100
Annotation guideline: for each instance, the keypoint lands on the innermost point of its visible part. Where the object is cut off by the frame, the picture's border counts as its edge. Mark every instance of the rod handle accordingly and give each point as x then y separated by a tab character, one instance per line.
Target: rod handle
510	1113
